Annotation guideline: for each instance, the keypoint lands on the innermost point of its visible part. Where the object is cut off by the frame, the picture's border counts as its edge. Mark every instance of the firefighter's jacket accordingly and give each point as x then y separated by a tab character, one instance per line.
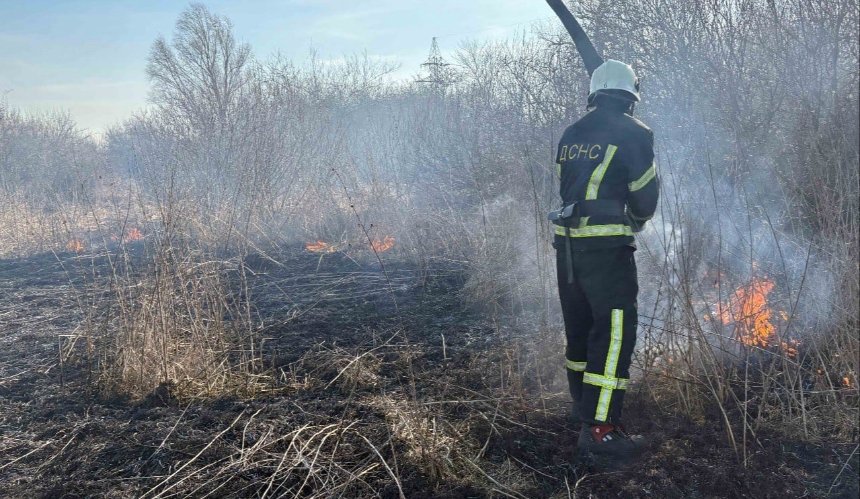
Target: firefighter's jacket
606	165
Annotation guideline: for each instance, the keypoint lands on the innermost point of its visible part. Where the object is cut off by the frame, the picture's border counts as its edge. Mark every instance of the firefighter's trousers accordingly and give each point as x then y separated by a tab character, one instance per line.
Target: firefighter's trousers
600	320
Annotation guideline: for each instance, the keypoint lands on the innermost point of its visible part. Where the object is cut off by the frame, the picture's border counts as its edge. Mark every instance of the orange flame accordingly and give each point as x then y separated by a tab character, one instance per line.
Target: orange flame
75	245
320	247
133	234
753	318
749	311
790	348
382	246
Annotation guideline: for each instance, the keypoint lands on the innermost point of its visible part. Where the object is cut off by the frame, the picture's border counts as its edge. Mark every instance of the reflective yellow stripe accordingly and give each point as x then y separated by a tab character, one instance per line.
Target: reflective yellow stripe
596	231
558	169
608	380
646	177
614	342
605	381
603	402
599	172
575	366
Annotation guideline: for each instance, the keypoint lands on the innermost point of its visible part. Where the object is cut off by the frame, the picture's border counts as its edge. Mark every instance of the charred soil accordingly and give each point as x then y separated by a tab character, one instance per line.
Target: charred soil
380	383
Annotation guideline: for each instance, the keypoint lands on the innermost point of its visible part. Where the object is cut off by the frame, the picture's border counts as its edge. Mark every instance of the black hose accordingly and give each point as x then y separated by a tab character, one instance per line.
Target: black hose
586	49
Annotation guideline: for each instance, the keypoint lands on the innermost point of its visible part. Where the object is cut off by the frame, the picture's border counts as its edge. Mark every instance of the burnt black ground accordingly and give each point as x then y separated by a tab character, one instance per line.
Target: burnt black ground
61	437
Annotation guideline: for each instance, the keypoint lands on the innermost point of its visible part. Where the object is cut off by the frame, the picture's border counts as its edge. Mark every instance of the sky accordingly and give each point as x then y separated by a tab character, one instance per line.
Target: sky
88	57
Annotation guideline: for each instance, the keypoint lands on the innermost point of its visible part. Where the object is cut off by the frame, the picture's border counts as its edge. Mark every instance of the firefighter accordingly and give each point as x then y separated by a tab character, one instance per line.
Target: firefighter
609	189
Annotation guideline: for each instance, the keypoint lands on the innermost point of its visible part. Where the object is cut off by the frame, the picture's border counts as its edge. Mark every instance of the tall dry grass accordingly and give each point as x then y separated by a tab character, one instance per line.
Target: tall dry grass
464	178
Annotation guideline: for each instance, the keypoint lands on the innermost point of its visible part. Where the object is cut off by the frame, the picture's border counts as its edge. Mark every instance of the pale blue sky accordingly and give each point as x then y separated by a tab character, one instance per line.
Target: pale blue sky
88	57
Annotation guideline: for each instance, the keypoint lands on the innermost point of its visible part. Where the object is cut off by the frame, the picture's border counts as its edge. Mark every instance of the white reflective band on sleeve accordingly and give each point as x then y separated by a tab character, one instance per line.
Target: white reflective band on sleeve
575	366
599	172
646	177
596	231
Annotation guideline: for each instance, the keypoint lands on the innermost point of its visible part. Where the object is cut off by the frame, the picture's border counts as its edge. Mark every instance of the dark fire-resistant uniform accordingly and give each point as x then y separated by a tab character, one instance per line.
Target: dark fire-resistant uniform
606	165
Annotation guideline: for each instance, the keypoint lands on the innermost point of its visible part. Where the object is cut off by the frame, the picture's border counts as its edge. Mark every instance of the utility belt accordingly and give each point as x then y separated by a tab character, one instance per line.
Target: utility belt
571	215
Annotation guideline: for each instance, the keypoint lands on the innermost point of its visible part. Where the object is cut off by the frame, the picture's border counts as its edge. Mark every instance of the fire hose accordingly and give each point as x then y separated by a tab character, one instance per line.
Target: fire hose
583	44
592	60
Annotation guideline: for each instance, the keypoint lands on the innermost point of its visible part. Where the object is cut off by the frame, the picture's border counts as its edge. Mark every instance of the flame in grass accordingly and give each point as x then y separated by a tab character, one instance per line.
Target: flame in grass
133	234
382	246
377	245
748	309
75	245
320	247
753	318
790	348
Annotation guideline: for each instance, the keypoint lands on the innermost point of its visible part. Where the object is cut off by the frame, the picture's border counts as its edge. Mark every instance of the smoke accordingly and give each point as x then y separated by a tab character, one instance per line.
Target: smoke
462	171
712	232
734	146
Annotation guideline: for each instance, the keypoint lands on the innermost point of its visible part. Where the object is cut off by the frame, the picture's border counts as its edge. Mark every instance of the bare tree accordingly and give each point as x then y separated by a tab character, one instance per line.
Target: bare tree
200	75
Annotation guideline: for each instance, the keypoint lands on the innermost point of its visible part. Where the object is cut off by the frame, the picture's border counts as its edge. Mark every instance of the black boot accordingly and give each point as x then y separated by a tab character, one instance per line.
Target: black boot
607	447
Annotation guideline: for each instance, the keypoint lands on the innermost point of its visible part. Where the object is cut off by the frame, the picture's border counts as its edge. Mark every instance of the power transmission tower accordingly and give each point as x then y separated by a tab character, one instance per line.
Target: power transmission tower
437	72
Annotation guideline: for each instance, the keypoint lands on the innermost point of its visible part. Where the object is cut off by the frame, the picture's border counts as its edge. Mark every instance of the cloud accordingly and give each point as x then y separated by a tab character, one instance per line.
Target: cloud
358	24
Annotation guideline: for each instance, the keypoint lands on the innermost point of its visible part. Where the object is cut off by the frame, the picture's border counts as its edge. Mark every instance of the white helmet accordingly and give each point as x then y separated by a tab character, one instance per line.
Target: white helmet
614	75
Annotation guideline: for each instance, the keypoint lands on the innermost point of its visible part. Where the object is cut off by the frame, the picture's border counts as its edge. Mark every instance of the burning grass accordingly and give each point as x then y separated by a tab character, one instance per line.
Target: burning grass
748	310
382	245
320	247
309	376
353	399
376	245
739	359
186	373
753	320
29	226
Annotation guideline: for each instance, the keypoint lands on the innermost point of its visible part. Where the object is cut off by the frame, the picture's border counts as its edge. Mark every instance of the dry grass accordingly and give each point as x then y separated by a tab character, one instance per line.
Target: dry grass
173	318
180	324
